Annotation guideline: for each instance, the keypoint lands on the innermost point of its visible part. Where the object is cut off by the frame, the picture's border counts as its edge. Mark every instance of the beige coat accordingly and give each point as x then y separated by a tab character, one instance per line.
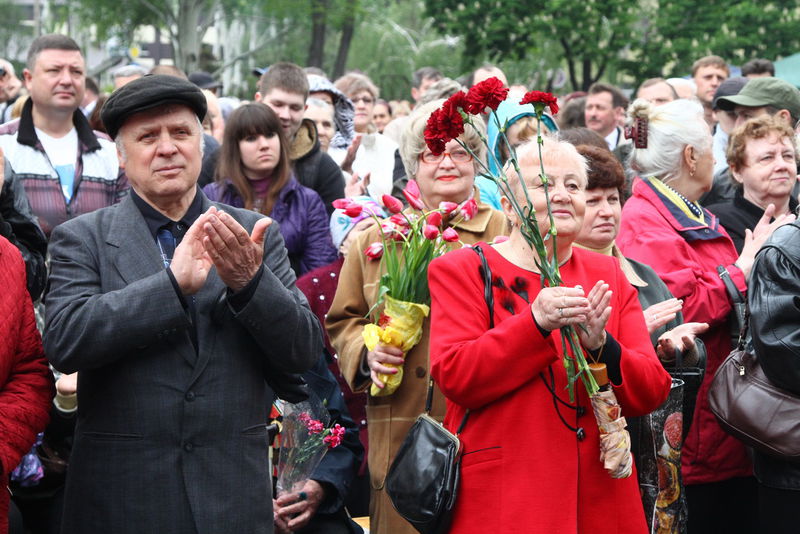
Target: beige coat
389	418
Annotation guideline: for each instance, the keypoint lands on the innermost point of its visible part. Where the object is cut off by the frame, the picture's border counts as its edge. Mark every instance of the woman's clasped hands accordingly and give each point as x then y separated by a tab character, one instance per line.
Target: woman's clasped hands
556	307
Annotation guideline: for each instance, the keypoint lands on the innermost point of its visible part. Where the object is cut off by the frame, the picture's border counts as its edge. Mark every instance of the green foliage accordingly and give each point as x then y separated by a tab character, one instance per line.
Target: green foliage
680	31
587	35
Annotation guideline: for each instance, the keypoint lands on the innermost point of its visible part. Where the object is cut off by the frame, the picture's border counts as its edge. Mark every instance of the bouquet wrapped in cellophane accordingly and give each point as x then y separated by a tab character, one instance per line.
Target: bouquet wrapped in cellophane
410	240
447	123
305	438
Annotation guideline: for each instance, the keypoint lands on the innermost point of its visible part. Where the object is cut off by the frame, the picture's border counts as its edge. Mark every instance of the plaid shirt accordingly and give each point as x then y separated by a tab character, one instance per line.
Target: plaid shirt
99	181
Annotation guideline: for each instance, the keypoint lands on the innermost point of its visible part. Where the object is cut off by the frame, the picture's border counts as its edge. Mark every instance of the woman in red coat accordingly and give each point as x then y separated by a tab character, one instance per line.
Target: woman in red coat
664	227
530	456
26	383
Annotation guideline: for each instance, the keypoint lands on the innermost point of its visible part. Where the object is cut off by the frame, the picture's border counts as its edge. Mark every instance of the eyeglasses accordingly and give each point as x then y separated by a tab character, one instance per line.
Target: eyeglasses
459	156
363	99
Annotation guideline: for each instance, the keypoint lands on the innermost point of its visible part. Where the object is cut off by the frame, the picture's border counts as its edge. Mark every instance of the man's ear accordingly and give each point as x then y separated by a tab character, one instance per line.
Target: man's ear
257	97
26	78
121	159
787	116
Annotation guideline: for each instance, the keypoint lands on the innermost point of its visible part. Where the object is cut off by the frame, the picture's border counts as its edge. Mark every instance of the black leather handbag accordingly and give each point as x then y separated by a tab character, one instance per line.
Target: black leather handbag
750	408
422	481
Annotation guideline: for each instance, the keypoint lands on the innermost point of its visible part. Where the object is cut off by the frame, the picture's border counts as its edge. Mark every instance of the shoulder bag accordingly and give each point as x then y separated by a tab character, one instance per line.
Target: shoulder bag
422	481
750	408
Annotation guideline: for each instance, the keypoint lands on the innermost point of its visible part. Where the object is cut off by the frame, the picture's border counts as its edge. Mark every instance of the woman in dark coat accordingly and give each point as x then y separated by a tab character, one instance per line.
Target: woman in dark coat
763	163
254	173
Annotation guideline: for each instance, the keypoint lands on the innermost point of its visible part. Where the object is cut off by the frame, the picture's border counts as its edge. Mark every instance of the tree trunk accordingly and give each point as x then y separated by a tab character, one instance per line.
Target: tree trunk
189	37
587	74
348	27
319	10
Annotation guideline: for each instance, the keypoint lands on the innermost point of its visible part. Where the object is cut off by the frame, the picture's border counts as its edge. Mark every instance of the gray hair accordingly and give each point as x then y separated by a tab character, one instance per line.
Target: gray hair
129	70
553	149
670	128
412	139
444	88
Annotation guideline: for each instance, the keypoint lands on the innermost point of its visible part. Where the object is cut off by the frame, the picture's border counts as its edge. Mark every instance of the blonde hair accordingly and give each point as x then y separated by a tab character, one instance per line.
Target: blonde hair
670	128
412	139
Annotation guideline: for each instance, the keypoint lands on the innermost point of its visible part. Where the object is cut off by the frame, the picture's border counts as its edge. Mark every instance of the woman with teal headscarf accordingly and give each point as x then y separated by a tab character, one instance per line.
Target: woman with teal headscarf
520	125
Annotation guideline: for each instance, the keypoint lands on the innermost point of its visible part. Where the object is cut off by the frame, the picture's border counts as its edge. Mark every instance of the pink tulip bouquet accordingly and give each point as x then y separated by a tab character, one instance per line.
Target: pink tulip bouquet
409	240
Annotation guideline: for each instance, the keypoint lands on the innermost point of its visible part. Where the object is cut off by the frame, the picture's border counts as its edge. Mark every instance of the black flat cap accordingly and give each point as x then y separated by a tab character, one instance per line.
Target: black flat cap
204	80
146	93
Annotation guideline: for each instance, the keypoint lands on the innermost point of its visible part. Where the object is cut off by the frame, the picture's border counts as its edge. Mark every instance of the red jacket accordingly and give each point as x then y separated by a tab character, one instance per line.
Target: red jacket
685	255
523	470
26	383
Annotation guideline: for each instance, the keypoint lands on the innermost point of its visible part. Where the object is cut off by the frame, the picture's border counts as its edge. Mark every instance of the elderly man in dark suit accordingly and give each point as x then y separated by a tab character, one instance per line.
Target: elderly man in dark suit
178	316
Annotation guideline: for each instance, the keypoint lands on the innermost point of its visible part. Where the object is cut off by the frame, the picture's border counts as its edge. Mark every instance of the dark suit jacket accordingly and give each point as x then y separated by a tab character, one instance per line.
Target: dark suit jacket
167	439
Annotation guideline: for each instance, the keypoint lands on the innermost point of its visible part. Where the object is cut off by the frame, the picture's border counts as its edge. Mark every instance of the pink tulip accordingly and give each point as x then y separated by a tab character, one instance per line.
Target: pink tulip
430	231
353	210
392	204
435	218
500	239
374	251
341	203
412	194
448	207
450	235
399	220
468	209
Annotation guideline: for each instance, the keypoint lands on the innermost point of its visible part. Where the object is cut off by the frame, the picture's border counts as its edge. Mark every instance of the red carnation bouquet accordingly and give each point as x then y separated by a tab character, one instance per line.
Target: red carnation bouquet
410	240
305	438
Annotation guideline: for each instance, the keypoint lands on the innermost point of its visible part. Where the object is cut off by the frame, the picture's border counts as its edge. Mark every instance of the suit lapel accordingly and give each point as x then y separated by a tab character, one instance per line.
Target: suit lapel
136	256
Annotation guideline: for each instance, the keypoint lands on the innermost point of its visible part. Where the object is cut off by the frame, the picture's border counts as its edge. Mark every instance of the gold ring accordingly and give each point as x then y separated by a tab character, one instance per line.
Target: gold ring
561	312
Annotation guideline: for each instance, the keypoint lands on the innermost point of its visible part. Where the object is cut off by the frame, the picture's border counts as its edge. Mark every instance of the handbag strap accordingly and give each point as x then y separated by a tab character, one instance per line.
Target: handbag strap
733	291
488	296
745	326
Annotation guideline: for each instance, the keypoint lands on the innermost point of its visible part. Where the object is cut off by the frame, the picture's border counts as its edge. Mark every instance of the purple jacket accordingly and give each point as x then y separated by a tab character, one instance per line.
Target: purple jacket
302	218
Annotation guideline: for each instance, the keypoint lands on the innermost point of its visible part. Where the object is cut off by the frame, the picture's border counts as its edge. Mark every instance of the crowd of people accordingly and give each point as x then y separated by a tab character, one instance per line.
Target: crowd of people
172	265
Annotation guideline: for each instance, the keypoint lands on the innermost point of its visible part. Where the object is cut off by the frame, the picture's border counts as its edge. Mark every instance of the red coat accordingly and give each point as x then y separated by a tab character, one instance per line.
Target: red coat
685	255
523	470
26	383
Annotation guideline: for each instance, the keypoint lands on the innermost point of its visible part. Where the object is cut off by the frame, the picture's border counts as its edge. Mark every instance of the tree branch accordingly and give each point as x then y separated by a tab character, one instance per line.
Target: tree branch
570	62
167	13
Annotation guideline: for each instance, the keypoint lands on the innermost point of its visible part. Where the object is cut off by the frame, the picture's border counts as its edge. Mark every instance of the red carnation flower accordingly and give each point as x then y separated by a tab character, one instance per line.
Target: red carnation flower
487	94
541	98
444	124
457	100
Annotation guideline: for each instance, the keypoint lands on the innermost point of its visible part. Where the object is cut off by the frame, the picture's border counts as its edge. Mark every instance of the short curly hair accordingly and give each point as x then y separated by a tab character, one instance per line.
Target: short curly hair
755	128
412	139
605	170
